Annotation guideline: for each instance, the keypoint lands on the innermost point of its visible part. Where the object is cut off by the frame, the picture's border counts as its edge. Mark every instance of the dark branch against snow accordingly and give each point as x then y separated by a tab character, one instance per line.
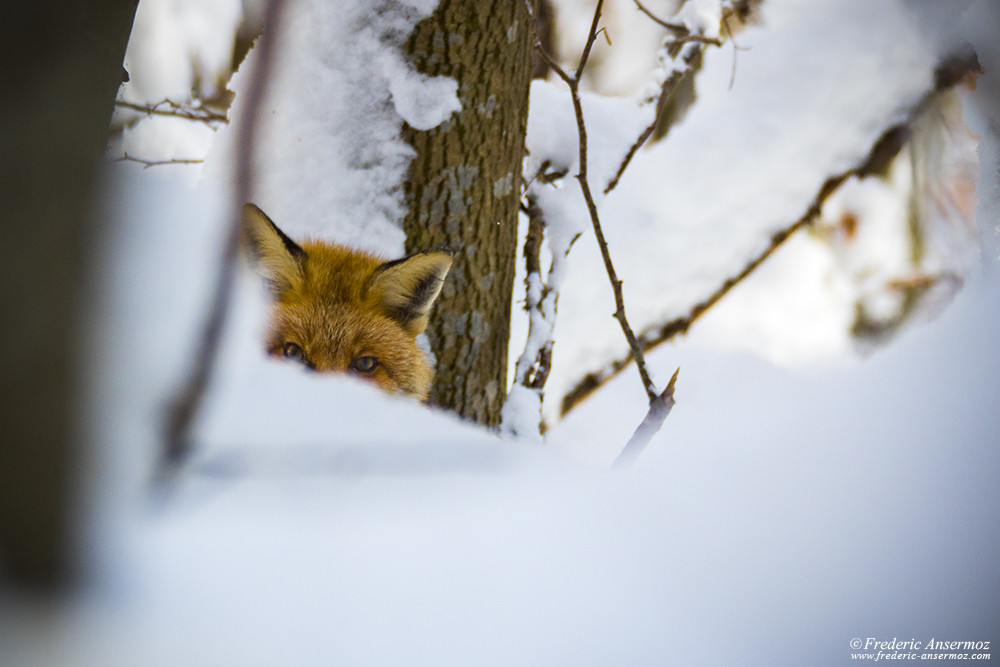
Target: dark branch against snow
951	70
156	163
681	59
189	399
168	107
659	403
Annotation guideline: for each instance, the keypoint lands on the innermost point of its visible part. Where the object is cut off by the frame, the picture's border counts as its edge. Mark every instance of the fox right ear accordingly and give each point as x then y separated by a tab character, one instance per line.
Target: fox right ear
279	257
407	287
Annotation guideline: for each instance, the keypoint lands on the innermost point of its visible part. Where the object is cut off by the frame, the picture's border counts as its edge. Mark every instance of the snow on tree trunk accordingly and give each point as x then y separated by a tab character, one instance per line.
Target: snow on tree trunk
463	193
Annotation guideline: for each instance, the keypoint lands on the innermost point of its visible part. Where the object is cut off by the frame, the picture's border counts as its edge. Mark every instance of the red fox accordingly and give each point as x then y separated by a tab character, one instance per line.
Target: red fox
339	309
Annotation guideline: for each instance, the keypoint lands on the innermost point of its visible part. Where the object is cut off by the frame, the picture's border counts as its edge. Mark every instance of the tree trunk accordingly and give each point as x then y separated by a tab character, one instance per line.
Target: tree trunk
62	68
463	193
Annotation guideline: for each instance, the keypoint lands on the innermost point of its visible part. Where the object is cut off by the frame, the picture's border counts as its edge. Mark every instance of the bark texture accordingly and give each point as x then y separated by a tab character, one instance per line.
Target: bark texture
463	193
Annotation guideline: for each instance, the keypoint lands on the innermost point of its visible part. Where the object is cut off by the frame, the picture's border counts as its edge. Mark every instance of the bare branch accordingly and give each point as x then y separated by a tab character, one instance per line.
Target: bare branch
573	82
659	403
616	284
683	34
156	163
677	74
950	71
591	38
174	109
679	28
189	399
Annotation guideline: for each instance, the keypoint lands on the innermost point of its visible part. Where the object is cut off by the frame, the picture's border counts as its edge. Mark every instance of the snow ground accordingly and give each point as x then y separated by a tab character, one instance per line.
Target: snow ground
775	517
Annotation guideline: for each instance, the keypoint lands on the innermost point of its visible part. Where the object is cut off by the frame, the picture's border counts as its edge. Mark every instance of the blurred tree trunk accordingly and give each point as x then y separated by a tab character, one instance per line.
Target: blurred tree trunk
464	189
62	68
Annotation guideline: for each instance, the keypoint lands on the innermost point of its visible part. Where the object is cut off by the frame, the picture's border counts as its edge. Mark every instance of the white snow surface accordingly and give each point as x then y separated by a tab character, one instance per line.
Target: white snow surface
775	517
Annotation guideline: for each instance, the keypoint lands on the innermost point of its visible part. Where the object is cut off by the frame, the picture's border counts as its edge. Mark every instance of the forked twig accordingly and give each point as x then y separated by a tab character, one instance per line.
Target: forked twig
687	57
657	401
176	110
573	82
683	34
676	27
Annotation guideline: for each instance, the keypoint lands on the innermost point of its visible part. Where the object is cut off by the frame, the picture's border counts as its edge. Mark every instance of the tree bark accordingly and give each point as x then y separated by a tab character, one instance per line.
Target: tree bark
62	68
463	193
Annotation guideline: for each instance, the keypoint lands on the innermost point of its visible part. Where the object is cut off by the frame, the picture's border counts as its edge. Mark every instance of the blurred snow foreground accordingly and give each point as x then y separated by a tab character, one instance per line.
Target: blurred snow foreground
775	517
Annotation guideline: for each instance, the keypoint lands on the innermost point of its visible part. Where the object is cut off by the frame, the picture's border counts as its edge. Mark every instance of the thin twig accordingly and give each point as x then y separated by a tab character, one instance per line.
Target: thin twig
949	72
675	27
650	339
591	38
190	397
176	110
659	403
667	88
573	82
156	163
683	34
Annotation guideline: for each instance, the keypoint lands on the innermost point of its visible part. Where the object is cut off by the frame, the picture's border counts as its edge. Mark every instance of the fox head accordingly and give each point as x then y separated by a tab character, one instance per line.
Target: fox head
339	309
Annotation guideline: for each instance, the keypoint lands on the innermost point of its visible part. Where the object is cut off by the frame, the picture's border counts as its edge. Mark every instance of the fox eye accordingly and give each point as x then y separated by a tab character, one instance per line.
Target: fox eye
365	364
294	352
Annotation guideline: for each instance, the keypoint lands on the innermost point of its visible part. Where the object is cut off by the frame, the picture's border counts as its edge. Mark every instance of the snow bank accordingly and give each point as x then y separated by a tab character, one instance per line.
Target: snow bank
773	519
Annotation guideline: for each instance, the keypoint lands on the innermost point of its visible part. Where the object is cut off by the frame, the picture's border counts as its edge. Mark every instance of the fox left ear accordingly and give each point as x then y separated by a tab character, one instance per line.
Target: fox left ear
280	259
407	287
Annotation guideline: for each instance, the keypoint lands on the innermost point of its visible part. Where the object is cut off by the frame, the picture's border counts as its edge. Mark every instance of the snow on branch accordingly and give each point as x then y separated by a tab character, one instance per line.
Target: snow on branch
950	72
522	410
680	29
679	58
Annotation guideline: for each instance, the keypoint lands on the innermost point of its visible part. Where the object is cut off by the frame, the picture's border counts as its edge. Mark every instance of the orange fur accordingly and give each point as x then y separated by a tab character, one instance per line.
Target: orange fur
341	308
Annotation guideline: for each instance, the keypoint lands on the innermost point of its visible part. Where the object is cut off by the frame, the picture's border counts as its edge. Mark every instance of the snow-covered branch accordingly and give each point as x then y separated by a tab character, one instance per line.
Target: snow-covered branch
885	149
682	31
522	411
679	59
